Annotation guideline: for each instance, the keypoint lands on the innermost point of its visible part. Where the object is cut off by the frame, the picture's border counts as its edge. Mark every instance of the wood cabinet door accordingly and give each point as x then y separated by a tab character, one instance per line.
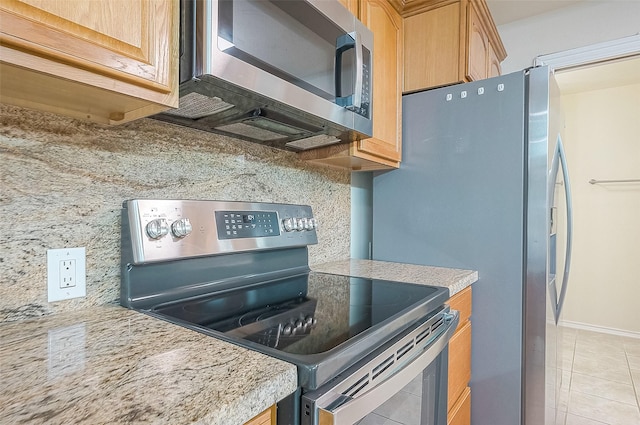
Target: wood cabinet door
108	61
459	364
387	26
458	396
351	5
478	47
268	417
460	413
432	48
128	40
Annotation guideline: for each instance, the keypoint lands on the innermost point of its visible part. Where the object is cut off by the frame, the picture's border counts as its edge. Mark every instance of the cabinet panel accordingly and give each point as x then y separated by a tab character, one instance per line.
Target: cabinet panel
122	51
494	63
432	48
265	418
459	363
351	5
459	398
460	413
477	54
96	17
462	302
92	36
387	79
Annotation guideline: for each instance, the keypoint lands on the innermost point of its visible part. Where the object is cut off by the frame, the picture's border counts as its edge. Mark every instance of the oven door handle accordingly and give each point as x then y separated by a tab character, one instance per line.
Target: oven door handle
360	406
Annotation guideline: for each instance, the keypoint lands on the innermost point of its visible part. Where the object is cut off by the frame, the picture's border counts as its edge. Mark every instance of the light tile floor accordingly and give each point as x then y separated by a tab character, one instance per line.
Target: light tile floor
601	379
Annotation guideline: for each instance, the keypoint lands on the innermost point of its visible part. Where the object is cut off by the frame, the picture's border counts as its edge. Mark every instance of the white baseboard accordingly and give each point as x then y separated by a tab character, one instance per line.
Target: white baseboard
601	329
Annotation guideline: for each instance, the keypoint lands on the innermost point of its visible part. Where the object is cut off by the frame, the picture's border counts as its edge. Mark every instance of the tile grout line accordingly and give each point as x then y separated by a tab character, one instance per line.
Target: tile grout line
633	382
573	359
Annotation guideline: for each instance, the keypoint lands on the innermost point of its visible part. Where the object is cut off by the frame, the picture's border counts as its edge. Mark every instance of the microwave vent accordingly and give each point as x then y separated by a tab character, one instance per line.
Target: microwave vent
246	130
195	105
258	127
313	142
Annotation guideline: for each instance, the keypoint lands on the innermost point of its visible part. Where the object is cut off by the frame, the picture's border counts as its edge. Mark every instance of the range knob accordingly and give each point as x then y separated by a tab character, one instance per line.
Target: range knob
181	228
288	224
287	330
299	224
311	224
157	228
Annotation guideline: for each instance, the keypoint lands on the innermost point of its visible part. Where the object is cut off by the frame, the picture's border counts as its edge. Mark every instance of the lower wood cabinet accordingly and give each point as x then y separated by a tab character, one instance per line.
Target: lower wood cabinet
460	413
459	393
268	417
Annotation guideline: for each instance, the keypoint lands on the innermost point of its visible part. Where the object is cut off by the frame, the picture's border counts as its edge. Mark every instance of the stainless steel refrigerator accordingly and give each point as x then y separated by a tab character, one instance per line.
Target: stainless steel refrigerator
483	185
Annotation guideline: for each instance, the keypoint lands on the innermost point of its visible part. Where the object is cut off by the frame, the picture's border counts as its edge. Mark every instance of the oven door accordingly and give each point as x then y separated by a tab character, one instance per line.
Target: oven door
405	381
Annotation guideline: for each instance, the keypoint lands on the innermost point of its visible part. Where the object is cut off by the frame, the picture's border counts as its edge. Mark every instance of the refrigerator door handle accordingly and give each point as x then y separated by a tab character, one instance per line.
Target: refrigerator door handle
560	159
567	193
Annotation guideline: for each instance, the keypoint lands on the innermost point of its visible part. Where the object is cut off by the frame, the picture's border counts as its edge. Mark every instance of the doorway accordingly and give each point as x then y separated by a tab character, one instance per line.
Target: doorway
602	112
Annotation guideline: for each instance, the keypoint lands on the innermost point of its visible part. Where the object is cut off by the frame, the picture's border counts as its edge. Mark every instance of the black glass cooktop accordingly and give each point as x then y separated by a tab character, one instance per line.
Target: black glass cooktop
310	313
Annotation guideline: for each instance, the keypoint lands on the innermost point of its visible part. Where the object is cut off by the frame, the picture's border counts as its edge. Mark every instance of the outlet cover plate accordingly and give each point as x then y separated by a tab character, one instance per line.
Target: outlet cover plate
56	260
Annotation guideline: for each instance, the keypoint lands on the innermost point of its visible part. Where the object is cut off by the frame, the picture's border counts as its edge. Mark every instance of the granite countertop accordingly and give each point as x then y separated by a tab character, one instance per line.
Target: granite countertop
454	279
110	365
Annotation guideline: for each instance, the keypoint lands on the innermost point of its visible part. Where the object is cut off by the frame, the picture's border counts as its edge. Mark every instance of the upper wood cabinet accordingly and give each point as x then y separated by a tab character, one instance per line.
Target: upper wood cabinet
383	150
109	61
449	41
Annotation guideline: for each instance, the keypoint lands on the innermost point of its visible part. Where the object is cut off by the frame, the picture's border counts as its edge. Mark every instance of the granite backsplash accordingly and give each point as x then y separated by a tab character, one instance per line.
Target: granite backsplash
63	182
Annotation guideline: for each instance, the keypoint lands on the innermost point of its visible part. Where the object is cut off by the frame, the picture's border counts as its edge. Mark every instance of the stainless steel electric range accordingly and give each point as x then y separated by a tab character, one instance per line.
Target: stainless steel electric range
239	271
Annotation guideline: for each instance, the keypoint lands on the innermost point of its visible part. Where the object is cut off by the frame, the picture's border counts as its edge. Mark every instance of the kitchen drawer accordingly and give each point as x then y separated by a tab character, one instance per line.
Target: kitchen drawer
460	413
265	418
459	363
462	302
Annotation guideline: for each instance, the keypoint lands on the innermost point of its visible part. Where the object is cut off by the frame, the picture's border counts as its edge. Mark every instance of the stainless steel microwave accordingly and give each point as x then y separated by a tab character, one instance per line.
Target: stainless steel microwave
292	74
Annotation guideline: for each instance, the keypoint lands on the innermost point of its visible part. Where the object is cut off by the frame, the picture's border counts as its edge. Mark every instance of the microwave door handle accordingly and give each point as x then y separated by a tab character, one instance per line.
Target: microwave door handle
360	406
357	93
349	41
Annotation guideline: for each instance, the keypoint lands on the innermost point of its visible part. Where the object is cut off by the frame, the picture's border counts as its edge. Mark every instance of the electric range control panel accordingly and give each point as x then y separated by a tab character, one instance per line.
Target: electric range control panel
247	224
164	230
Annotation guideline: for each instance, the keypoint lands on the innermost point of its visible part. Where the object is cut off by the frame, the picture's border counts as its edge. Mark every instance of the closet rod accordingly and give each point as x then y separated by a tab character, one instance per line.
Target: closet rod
594	181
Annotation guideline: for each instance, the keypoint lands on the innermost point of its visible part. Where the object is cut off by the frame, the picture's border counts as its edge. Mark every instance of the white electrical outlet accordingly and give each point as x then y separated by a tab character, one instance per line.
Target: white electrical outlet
66	273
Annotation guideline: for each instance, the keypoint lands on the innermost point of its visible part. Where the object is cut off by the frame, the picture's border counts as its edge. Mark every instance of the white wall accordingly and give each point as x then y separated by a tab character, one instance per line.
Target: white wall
603	142
574	26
